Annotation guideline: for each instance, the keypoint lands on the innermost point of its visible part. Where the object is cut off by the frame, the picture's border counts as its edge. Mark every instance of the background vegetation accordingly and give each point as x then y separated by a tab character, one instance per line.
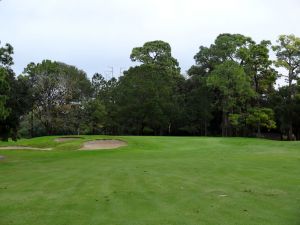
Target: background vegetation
230	91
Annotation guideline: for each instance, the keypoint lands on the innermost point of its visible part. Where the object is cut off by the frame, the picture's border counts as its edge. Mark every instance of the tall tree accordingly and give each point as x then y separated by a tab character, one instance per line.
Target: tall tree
260	118
13	96
6	61
148	92
156	53
4	89
145	94
58	90
198	108
105	91
288	57
251	57
258	66
234	89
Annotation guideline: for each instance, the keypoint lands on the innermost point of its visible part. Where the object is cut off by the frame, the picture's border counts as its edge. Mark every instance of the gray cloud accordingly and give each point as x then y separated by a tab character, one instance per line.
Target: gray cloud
95	34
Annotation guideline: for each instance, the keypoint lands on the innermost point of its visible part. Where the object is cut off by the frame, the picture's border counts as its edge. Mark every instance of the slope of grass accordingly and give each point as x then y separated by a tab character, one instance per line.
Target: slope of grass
152	181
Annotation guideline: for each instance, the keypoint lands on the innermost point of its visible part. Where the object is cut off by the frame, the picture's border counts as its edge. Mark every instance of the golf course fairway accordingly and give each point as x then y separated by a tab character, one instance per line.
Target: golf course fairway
151	181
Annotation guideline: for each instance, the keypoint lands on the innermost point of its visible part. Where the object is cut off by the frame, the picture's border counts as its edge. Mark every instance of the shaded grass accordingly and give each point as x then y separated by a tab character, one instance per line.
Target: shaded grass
154	180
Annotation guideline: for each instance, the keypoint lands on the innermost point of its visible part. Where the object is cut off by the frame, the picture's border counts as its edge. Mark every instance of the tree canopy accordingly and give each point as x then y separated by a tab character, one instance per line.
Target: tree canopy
230	91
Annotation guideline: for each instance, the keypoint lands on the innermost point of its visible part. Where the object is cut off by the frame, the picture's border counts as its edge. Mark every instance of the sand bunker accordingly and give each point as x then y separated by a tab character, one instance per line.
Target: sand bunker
23	148
64	139
103	144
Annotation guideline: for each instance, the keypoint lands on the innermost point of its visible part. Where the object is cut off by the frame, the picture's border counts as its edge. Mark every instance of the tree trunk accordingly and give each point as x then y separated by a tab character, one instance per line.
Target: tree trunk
290	133
290	128
258	131
169	128
31	124
225	125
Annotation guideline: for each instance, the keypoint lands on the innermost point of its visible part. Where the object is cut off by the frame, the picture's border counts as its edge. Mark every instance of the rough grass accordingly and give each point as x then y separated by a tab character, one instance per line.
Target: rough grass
152	181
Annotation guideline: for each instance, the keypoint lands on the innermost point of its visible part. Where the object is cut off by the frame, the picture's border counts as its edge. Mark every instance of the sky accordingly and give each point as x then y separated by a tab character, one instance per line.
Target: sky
95	35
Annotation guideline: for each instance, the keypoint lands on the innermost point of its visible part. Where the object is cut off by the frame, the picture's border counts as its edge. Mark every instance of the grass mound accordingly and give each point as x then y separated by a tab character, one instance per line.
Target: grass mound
23	148
64	139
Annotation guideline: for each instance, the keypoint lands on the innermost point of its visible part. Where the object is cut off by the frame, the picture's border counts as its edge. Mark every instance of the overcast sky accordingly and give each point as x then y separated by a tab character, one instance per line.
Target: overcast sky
97	34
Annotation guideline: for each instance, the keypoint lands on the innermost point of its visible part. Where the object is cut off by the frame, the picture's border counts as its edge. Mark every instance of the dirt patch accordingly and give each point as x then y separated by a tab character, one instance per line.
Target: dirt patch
2	157
103	144
64	139
23	148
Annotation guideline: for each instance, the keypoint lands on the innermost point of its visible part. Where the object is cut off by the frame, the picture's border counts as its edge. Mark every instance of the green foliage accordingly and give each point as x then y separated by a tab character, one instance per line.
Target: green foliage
145	93
240	74
4	89
58	92
198	108
13	96
288	57
285	109
226	47
6	52
231	81
234	89
235	119
95	115
106	92
258	66
261	118
230	91
155	53
99	85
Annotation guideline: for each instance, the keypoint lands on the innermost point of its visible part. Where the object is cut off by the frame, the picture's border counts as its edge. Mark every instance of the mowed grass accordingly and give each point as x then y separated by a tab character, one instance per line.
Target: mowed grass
152	181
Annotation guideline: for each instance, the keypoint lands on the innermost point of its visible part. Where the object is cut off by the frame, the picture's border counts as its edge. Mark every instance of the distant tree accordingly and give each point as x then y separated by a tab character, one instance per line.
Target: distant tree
198	104
4	89
285	110
147	97
58	91
13	96
145	94
261	118
259	68
230	91
226	47
98	84
297	110
253	59
230	80
288	57
156	53
6	61
105	91
95	114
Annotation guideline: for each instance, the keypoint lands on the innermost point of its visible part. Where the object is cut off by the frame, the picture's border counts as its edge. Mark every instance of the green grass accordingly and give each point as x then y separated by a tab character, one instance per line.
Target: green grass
152	181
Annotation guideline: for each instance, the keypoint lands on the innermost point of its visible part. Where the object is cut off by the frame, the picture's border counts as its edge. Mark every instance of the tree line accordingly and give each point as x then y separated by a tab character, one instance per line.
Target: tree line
229	91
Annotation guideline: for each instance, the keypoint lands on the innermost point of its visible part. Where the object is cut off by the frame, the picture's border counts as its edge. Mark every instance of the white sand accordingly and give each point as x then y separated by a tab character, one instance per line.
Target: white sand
103	144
